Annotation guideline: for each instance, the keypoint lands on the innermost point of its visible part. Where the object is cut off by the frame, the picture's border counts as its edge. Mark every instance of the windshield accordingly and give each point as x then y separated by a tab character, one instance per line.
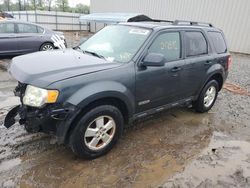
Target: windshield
116	43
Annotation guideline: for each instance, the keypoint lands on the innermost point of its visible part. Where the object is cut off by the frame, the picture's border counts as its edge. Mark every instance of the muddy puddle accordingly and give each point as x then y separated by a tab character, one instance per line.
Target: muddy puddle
147	154
224	163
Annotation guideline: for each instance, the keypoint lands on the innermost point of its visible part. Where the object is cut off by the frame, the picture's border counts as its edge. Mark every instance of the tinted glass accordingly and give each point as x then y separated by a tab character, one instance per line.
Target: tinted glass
195	44
167	44
218	42
7	28
116	42
26	28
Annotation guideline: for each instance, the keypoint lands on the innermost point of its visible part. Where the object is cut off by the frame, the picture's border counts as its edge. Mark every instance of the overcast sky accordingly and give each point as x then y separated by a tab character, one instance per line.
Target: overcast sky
75	2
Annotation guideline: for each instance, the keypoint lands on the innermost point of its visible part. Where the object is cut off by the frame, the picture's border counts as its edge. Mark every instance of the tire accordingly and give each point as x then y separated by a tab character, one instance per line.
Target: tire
82	141
207	97
47	47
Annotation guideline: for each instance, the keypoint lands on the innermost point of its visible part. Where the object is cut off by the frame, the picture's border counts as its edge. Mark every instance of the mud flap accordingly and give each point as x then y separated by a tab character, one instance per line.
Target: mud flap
10	118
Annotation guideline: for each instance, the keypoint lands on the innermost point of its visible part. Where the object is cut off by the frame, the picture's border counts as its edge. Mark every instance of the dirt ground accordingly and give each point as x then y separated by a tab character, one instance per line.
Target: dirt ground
177	148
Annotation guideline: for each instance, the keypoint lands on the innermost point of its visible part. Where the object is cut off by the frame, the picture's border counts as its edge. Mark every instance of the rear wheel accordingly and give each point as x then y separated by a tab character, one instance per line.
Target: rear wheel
47	47
97	132
207	97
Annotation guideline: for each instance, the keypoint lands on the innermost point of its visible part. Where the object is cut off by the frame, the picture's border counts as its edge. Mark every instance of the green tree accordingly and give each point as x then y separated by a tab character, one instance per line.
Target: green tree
62	5
81	8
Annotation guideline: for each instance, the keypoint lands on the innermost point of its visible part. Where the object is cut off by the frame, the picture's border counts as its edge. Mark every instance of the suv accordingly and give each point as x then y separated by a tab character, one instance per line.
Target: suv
127	71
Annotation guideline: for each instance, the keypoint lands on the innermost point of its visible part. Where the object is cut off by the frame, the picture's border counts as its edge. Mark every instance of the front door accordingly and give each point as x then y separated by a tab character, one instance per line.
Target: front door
157	86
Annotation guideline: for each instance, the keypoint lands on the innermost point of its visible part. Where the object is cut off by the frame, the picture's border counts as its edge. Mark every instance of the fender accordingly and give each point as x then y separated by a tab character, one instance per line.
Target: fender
94	91
90	93
214	69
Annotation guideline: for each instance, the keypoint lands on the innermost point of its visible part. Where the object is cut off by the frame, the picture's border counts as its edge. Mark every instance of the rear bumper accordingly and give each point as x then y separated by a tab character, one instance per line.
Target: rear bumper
52	119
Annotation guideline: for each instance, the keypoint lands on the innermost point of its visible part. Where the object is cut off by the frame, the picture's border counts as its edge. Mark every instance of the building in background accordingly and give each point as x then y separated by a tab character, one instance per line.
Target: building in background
232	16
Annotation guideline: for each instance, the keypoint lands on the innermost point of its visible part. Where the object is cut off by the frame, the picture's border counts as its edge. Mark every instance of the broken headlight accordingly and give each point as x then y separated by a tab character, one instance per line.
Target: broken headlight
37	97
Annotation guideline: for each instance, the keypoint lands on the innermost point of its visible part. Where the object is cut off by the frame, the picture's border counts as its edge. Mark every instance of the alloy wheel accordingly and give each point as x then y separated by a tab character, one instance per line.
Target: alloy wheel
100	132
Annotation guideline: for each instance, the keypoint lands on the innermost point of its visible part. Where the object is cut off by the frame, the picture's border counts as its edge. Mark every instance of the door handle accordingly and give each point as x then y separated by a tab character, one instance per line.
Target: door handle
208	62
175	69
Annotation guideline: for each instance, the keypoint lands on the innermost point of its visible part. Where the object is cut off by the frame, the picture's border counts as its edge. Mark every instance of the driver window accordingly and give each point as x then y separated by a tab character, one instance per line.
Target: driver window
167	44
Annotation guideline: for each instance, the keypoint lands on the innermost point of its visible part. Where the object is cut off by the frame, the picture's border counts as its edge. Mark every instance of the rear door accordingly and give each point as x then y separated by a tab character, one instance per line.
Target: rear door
198	61
8	43
157	86
29	37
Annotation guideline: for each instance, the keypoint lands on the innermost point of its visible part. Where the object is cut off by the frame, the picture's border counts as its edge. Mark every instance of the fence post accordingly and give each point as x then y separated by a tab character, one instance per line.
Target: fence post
35	16
27	16
56	21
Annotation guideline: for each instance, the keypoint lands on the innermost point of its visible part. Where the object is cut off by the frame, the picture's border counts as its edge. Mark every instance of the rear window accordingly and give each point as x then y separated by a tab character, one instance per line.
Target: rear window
196	44
218	42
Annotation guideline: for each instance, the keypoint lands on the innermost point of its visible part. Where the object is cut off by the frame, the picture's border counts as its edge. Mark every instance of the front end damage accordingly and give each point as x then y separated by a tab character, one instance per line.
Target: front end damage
52	119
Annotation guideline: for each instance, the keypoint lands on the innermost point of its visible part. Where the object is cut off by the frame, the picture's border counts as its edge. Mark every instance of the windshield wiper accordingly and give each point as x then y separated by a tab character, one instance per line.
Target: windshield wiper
77	48
94	54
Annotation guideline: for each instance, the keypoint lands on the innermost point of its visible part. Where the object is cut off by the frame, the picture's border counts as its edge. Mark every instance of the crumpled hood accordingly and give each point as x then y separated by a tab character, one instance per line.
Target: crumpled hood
44	68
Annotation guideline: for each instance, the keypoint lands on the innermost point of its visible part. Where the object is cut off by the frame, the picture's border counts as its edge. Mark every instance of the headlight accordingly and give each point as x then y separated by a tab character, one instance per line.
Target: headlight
37	97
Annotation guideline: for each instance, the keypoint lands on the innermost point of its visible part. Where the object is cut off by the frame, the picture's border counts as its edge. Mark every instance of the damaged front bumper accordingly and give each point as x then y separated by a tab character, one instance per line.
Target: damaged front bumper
51	119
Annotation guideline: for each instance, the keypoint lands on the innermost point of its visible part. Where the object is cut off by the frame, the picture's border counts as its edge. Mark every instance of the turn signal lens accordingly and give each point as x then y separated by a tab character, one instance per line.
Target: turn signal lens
52	96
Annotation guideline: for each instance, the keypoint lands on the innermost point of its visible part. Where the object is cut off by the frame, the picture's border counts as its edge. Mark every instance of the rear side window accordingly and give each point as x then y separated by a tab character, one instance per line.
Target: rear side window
26	28
196	44
40	29
167	44
7	28
218	42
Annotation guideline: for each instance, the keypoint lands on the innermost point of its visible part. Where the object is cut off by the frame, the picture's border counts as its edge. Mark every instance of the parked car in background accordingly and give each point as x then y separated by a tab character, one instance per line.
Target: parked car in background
18	37
5	15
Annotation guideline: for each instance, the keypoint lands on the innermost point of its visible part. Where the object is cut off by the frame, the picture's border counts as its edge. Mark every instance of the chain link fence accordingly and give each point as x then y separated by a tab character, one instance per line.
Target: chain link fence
63	21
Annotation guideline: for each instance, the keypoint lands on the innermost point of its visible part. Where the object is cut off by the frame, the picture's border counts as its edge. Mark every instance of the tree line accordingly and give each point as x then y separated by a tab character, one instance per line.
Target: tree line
49	5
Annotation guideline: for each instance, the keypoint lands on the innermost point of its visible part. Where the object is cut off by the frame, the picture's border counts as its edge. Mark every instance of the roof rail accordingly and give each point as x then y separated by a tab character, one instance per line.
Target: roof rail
156	20
184	22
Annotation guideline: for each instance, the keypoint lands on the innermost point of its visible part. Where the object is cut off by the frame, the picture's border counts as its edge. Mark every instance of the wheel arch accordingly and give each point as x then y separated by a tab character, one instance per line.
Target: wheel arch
90	96
107	100
218	77
47	42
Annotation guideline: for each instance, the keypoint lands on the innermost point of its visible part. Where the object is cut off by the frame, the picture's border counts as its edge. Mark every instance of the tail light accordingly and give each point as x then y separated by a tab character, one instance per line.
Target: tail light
229	62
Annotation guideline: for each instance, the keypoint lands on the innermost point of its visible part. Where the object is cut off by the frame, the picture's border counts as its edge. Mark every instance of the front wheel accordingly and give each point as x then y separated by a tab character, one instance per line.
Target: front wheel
47	47
97	132
207	97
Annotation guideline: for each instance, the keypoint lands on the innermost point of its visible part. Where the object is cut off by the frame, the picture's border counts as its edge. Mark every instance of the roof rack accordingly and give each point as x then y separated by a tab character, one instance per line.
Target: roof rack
184	22
156	20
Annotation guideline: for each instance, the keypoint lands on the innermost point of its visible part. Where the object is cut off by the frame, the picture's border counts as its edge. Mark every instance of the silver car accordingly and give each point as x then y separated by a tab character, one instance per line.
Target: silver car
18	37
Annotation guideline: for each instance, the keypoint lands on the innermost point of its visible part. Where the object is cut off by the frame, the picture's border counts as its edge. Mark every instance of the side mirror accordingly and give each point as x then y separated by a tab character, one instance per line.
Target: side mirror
153	59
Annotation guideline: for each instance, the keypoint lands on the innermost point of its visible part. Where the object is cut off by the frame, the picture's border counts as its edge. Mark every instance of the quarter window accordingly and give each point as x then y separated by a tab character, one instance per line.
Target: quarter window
40	29
26	28
195	44
218	42
167	44
7	28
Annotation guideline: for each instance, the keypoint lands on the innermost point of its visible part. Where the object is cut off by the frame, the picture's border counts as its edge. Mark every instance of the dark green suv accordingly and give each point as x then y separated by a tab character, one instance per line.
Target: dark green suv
86	95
